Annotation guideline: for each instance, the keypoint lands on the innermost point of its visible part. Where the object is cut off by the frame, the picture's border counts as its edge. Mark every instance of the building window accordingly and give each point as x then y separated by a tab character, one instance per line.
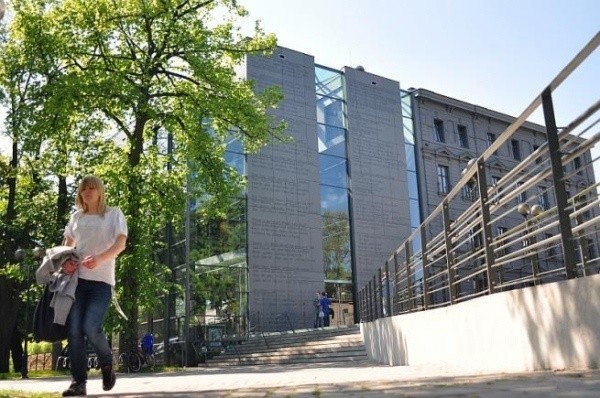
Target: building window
516	149
538	159
443	178
522	196
551	248
439	130
469	193
543	199
495	181
577	164
591	249
491	138
476	238
462	136
501	242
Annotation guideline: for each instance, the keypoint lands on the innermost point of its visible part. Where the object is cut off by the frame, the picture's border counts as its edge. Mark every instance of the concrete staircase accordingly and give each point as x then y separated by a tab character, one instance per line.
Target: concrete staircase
324	345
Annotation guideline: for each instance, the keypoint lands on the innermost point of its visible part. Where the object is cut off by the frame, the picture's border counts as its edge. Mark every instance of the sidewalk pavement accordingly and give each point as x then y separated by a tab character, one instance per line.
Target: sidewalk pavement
334	380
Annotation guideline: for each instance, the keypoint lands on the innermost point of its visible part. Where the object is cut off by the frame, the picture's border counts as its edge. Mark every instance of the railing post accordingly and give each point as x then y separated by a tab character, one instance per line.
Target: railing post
381	309
449	252
359	307
388	288
425	266
486	227
583	245
559	188
396	287
375	313
370	299
409	282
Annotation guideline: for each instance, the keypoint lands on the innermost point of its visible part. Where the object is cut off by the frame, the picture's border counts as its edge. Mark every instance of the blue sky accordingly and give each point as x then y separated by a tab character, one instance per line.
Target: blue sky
499	54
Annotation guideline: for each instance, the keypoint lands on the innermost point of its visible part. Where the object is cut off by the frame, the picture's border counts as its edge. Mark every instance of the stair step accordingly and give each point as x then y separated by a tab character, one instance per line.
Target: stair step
326	345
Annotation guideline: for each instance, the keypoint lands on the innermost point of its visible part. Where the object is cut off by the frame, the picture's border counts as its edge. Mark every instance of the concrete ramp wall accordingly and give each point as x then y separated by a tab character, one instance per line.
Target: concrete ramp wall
553	326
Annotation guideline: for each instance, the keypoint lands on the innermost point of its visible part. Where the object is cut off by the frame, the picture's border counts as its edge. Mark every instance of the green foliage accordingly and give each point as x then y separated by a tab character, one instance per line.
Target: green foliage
39	348
94	88
336	246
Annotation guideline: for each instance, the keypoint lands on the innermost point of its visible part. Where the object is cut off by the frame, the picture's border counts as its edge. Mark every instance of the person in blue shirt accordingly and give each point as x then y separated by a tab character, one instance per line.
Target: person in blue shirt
317	307
325	303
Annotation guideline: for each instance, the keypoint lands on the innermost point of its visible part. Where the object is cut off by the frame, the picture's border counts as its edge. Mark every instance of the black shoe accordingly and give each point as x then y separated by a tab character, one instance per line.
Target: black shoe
108	378
75	390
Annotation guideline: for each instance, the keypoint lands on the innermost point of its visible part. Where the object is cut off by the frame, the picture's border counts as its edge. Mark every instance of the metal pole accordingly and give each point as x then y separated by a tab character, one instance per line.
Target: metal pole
409	280
559	185
486	227
452	288
25	360
186	323
169	236
425	266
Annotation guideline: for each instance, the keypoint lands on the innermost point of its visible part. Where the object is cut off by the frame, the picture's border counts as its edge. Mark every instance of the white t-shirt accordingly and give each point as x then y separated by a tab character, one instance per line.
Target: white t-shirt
94	234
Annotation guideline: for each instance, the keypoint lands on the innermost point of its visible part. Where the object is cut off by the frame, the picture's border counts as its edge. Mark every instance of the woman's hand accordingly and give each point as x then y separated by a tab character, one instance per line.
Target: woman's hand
69	267
89	262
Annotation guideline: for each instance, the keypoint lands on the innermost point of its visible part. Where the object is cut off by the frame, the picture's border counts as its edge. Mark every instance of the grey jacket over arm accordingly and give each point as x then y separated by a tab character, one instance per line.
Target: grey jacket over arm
63	285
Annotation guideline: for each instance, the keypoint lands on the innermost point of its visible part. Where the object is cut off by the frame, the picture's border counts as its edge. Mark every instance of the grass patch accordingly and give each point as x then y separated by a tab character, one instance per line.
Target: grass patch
26	394
35	374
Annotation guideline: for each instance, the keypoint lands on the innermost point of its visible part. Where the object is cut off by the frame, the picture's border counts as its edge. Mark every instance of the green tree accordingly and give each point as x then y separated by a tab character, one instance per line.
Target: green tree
35	198
336	246
128	77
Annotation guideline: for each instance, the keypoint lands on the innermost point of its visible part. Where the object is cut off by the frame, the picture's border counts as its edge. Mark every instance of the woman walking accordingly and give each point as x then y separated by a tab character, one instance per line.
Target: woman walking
99	234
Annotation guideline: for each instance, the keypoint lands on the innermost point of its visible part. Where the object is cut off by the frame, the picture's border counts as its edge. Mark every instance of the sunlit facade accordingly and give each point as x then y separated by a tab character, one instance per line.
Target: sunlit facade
366	164
325	209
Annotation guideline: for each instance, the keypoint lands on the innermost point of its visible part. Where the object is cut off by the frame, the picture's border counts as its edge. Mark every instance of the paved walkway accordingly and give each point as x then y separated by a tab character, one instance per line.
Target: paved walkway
355	380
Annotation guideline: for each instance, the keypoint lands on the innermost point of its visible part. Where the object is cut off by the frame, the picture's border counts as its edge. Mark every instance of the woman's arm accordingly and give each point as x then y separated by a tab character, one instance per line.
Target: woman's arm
112	252
69	242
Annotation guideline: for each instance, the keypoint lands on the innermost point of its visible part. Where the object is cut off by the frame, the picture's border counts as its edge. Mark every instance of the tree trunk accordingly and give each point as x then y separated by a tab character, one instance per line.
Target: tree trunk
9	302
8	314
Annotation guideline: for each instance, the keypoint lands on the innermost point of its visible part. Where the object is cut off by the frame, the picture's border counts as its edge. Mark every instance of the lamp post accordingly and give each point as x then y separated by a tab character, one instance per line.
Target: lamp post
2	9
38	253
525	210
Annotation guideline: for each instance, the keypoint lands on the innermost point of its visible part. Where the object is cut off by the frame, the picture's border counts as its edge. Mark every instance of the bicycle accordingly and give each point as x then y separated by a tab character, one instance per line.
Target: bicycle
133	359
130	361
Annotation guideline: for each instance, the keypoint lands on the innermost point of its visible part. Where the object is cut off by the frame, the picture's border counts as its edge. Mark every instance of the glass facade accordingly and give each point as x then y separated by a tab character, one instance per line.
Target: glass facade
218	261
333	174
411	165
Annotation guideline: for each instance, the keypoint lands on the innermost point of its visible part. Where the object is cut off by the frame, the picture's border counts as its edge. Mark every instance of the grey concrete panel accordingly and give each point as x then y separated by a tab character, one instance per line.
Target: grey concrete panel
381	219
284	223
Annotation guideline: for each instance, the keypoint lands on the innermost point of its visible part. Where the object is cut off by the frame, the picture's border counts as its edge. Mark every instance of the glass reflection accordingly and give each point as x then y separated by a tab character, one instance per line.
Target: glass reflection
237	161
329	82
332	140
330	111
334	199
234	144
336	245
333	171
413	192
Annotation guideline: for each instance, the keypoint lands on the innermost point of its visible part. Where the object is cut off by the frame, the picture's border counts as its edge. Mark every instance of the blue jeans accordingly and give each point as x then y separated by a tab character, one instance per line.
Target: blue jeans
85	319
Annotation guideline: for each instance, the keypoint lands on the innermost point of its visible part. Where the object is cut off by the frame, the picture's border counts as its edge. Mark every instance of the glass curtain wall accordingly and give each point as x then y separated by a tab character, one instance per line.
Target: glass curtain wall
219	261
333	163
218	271
411	169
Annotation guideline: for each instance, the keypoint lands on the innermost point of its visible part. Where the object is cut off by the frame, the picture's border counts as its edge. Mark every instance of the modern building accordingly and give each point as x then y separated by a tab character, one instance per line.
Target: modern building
367	162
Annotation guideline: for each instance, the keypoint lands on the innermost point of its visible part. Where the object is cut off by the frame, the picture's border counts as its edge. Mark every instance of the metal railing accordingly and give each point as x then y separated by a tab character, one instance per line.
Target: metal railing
499	239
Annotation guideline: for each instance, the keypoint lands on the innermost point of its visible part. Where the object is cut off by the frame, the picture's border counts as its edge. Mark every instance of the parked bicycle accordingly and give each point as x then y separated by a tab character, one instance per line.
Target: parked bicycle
138	355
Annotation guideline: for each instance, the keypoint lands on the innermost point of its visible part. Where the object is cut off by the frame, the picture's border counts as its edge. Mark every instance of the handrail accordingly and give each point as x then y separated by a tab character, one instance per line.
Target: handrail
465	258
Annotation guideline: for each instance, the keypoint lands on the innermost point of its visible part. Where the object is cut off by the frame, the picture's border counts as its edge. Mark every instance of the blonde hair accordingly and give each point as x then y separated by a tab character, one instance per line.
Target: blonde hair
93	182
